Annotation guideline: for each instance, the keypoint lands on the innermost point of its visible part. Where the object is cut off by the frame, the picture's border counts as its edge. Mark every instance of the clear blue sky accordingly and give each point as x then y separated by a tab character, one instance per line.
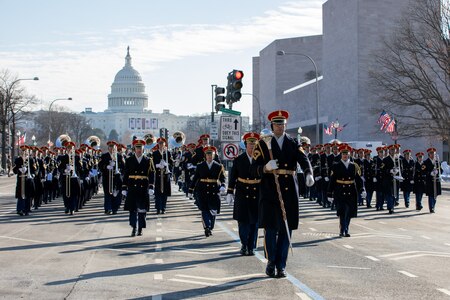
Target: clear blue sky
179	47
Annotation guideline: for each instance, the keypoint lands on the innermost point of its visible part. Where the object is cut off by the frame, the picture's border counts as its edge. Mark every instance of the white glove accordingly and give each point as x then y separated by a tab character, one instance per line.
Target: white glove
163	163
327	179
23	170
434	173
374	179
230	199
124	192
160	165
330	199
271	165
309	180
412	182
363	179
394	171
190	166
222	189
364	194
151	192
317	178
191	196
109	167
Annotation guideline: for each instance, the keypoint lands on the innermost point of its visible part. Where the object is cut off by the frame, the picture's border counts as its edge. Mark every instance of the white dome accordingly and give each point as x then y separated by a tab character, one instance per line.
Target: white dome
128	90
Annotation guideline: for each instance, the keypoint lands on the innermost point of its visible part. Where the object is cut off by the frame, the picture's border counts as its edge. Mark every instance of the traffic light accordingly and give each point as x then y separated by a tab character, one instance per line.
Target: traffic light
219	91
234	86
162	132
166	134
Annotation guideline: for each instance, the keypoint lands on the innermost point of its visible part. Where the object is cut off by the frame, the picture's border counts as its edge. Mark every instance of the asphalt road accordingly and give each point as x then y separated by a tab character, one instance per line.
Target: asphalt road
50	255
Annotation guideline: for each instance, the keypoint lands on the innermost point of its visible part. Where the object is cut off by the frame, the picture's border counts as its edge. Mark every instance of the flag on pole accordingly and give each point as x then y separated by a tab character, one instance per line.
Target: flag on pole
383	118
327	129
340	128
390	128
22	139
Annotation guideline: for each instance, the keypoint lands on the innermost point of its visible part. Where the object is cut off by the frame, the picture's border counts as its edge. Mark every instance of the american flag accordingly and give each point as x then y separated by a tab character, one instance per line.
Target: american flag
340	128
327	129
22	139
384	118
391	126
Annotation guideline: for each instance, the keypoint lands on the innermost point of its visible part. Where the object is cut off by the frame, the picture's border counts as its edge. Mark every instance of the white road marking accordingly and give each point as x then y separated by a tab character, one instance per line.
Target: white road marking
407	274
158	276
381	222
158	224
426	237
158	230
345	267
372	258
348	246
303	296
300	222
158	247
447	292
158	239
312	229
159	261
257	275
447	244
402	229
415	254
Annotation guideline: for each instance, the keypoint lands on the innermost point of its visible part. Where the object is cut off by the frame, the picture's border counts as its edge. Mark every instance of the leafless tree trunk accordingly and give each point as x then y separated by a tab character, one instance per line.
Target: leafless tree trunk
411	76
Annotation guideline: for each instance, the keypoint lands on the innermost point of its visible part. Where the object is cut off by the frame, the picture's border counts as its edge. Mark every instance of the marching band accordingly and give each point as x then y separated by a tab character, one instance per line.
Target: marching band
264	183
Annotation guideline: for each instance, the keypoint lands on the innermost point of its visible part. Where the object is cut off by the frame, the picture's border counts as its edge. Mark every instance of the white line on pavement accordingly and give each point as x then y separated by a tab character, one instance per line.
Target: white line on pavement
158	224
426	237
407	274
159	230
159	261
158	247
381	222
345	267
159	239
256	275
348	246
372	258
312	229
447	292
303	296
158	276
447	244
402	229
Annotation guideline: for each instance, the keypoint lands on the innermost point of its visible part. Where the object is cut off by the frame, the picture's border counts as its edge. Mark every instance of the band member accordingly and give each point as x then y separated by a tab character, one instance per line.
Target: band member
199	155
433	171
359	159
25	169
208	182
111	178
379	178
243	190
325	173
69	167
346	185
369	175
390	169
420	179
276	163
138	186
408	175
163	162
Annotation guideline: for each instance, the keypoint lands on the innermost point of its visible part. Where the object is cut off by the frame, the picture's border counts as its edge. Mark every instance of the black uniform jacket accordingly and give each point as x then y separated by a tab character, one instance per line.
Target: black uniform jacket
25	178
433	182
420	178
269	204
407	174
138	178
245	208
346	184
162	178
104	162
388	178
206	183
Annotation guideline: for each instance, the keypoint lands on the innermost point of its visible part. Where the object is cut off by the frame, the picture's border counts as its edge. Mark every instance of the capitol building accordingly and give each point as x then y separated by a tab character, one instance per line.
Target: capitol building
128	112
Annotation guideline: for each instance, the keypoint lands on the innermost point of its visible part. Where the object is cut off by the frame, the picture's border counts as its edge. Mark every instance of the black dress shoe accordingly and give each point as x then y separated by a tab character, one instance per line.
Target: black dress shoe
281	273
341	234
270	270
133	232
243	250
207	232
347	235
139	231
66	211
369	206
163	211
20	213
250	252
391	211
381	208
158	212
431	211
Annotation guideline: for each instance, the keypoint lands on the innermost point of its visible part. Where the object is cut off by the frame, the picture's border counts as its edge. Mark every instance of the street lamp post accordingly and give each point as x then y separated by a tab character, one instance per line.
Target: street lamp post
18	144
33	140
281	53
50	118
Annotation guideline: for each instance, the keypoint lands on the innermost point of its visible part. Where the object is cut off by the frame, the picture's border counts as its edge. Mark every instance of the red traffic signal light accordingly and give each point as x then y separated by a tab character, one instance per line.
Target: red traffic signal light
238	75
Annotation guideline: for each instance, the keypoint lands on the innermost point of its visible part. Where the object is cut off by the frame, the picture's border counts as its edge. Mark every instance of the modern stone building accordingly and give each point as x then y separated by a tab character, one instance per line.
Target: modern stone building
352	31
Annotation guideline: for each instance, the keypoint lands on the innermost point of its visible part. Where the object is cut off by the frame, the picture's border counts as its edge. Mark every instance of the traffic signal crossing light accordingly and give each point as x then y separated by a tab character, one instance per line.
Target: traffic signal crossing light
220	98
164	133
234	86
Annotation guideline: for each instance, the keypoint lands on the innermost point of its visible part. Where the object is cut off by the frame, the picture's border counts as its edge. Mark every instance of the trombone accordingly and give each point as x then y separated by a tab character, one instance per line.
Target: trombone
25	158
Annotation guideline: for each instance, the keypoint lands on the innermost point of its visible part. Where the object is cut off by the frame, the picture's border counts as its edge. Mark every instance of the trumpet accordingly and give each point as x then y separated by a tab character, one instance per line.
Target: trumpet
179	137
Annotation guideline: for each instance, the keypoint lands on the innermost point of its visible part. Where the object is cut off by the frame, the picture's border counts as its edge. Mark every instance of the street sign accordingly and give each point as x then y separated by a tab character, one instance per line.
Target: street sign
230	129
214	131
230	150
230	111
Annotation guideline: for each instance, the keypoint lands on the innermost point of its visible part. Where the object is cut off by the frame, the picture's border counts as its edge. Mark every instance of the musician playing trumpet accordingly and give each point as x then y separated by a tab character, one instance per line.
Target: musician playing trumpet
433	183
111	166
24	167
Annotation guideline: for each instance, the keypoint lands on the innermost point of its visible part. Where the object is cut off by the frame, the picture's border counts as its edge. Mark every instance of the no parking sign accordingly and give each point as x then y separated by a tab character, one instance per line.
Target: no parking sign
230	150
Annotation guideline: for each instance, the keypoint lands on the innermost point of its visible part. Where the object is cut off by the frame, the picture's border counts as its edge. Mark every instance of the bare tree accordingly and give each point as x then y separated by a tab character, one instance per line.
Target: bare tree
412	71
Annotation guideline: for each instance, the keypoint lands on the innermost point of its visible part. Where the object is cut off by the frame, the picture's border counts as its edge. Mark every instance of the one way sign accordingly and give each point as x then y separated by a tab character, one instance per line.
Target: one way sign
230	129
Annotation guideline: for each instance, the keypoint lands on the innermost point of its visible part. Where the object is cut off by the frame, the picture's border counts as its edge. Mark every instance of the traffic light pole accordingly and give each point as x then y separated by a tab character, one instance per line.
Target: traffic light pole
213	87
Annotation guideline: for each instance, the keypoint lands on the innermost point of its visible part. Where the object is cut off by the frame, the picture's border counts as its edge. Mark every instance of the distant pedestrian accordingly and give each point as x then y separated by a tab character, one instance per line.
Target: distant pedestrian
8	165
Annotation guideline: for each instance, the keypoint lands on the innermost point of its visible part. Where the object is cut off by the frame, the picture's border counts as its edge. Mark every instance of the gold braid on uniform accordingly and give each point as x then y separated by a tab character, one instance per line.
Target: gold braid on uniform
151	166
357	169
301	149
257	151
